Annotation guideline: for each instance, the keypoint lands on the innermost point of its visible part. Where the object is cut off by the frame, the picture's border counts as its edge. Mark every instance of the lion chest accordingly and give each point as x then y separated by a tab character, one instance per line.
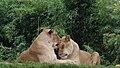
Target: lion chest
52	53
44	50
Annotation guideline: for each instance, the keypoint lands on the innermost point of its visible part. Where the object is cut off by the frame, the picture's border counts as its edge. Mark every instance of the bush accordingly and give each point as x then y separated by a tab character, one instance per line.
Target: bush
10	53
7	53
107	14
112	48
21	19
93	24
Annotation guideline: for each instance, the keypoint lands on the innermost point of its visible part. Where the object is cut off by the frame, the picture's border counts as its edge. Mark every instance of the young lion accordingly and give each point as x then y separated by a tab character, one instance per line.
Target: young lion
68	49
41	50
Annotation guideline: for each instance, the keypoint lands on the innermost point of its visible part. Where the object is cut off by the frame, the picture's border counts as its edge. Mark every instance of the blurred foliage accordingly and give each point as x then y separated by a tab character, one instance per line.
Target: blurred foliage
20	21
93	24
112	47
107	15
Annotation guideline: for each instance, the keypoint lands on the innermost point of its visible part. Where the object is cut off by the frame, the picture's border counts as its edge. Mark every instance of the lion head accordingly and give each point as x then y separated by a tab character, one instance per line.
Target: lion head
65	47
50	36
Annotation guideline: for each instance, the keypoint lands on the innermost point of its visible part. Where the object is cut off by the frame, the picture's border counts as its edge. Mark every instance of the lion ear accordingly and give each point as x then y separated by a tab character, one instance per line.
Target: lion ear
51	31
67	38
40	30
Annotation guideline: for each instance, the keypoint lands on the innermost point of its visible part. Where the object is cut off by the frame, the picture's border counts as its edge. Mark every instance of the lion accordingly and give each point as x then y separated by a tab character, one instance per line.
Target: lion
68	49
42	48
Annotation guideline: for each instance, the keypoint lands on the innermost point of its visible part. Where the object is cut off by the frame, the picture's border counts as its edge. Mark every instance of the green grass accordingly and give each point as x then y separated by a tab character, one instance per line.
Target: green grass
46	65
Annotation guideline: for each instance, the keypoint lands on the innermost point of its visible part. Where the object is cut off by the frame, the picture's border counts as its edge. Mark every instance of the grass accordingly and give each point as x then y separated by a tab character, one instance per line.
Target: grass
46	65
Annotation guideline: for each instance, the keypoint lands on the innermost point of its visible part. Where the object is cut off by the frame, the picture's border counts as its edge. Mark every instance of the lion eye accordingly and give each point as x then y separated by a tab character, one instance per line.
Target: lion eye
65	54
57	44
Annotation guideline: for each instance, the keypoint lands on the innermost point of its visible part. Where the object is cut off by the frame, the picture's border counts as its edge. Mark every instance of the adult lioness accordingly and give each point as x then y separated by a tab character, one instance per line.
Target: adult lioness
68	49
41	50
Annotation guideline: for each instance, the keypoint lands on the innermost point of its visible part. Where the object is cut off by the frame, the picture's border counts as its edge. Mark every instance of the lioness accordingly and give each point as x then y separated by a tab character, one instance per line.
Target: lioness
41	50
68	49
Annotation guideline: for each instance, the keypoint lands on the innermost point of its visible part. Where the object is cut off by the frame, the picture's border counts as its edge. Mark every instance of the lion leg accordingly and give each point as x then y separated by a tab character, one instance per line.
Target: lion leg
43	58
95	58
25	56
62	61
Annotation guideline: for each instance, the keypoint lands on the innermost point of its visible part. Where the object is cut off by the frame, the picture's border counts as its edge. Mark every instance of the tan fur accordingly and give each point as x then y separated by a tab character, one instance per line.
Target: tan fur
91	59
117	65
85	57
68	49
95	57
41	50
